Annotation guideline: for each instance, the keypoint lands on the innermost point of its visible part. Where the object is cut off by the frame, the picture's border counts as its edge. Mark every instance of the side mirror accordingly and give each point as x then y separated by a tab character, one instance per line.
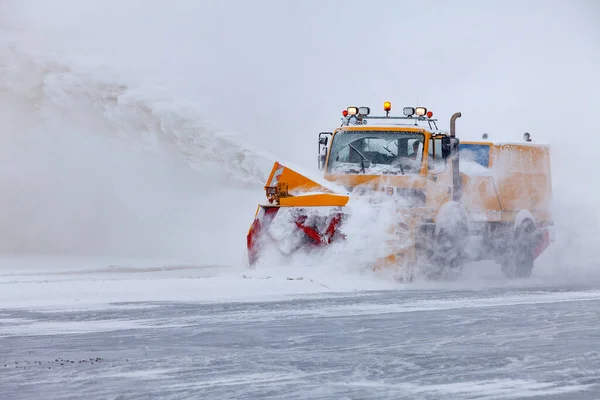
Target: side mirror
323	141
446	147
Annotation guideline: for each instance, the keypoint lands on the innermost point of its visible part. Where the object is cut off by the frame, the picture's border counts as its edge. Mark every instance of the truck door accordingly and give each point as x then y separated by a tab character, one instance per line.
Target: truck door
439	174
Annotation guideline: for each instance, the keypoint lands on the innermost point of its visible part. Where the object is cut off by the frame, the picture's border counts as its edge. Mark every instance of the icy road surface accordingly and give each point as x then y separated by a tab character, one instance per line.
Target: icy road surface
512	341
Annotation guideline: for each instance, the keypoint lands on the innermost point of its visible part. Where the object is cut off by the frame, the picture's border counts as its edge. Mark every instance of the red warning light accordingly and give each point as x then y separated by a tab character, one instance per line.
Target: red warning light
345	113
429	114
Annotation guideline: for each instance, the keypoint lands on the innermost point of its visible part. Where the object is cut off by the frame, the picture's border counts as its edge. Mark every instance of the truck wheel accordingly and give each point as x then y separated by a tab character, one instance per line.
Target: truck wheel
447	244
447	260
518	262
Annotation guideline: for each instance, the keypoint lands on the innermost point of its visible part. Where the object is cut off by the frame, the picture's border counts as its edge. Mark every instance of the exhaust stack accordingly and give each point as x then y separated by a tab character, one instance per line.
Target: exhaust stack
453	123
456	180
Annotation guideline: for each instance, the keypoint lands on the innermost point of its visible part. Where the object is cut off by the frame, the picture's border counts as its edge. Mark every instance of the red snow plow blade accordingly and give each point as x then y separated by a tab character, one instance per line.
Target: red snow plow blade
299	213
302	231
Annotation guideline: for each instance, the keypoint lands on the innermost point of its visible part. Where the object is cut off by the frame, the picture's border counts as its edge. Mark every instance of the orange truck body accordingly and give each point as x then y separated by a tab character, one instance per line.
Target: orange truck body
501	193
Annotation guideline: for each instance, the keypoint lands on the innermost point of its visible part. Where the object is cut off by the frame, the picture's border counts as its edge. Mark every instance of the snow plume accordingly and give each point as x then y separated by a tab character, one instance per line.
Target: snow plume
155	124
576	195
95	166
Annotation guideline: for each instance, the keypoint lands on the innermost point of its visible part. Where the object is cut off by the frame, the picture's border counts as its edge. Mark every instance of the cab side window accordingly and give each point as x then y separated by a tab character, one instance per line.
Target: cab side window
435	154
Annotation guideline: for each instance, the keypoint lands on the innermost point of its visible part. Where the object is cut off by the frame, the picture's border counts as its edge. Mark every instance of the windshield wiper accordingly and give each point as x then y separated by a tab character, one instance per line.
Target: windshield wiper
396	157
363	164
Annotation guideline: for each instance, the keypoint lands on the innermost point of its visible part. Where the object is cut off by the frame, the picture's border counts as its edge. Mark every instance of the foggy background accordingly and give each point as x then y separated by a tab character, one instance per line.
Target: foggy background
251	82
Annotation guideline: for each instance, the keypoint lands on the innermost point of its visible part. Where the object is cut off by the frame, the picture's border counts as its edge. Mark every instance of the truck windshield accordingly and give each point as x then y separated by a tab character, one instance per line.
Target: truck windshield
376	152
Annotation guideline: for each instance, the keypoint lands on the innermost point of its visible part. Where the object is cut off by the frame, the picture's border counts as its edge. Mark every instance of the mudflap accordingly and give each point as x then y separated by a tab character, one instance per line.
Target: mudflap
544	238
298	228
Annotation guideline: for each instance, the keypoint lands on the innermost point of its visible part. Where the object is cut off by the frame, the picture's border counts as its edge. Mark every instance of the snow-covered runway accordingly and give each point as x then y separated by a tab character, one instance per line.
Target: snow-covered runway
297	338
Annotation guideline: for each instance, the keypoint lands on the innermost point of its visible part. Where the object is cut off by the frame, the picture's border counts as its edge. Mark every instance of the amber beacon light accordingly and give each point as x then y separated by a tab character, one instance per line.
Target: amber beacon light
387	106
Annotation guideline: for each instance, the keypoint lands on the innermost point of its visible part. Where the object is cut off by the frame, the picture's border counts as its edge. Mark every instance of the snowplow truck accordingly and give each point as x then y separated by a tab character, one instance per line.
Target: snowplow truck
455	201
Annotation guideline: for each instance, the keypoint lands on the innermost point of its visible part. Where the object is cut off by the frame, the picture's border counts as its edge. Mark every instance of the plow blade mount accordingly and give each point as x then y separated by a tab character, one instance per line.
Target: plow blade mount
300	213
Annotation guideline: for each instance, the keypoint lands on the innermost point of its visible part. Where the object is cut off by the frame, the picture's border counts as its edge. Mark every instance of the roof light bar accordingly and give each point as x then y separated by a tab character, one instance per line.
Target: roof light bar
359	115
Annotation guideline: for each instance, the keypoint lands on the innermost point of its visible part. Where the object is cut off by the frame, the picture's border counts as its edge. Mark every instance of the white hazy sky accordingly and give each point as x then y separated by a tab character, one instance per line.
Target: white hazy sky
278	72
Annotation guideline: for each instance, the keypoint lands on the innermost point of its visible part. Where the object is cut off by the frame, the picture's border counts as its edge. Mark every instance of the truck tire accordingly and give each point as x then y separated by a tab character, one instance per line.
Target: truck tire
447	260
446	246
518	261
